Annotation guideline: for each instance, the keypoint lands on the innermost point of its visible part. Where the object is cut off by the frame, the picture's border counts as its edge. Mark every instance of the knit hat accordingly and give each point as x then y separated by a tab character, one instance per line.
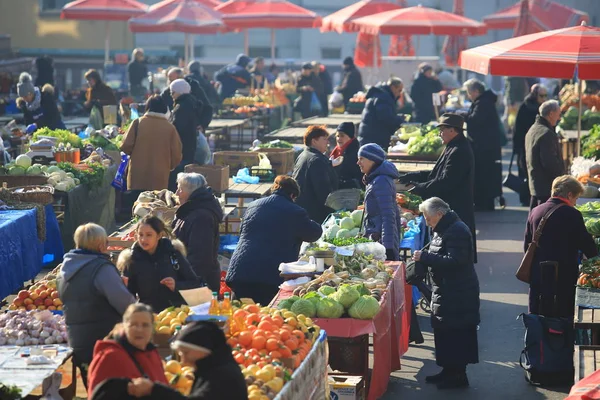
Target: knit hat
348	61
203	335
373	152
25	85
347	128
307	66
180	86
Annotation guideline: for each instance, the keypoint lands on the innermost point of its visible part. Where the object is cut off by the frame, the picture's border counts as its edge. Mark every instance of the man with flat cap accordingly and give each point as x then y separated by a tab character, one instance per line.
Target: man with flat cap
453	176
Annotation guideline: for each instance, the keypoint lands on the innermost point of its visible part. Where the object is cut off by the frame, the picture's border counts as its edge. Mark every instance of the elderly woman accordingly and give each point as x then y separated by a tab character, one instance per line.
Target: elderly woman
348	171
127	352
455	298
93	293
265	242
563	237
196	224
485	132
382	218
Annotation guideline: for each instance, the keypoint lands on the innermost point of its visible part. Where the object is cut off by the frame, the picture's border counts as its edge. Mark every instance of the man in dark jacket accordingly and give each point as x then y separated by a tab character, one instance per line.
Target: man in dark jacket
308	84
195	72
203	107
379	120
234	76
542	152
327	84
453	169
421	93
137	70
196	224
348	172
351	82
315	175
526	115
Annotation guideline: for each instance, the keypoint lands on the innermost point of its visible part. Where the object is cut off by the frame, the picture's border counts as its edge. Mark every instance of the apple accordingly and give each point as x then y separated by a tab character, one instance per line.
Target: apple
41	308
27	301
59	307
54	294
43	287
57	302
22	308
30	307
23	294
39	302
48	302
34	295
18	302
51	308
12	307
43	294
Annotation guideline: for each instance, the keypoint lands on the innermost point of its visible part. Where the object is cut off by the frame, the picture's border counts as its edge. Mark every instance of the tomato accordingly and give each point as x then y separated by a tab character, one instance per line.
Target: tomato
272	344
240	358
232	342
251	353
299	335
258	342
265	326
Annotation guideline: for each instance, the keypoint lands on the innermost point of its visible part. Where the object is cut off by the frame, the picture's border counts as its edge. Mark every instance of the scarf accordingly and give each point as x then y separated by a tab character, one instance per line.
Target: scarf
37	100
338	151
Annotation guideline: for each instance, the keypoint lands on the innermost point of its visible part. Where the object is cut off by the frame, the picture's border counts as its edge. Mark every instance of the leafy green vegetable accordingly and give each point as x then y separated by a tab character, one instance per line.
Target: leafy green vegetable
329	308
366	307
305	307
590	144
341	242
63	136
91	178
276	144
101	141
346	295
428	144
593	226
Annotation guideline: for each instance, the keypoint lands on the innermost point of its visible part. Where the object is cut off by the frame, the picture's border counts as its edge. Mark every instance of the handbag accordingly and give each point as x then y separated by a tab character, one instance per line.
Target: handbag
120	180
513	182
524	271
416	270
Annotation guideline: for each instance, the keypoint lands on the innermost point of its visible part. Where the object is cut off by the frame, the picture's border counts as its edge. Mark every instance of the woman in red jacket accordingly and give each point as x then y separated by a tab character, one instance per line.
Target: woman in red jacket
127	352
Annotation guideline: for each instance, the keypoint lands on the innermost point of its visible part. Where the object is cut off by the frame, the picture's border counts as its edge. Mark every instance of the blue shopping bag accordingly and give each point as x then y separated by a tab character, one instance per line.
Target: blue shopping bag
120	181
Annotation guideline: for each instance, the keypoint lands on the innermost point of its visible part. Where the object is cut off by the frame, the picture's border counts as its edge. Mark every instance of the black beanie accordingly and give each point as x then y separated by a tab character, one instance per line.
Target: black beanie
201	335
348	61
348	128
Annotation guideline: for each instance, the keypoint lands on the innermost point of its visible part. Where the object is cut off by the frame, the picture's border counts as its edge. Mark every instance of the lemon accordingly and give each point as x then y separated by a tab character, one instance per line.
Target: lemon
288	314
185	309
182	316
308	322
253	369
275	384
173	367
301	318
164	329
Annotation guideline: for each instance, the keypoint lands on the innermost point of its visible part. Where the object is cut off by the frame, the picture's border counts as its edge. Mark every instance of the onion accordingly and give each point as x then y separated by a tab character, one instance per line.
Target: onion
2	341
22	335
44	334
35	341
49	340
35	334
58	339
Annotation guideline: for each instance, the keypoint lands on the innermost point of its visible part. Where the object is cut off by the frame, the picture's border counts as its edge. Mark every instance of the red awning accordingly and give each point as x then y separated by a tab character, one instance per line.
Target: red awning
341	21
419	20
453	45
270	14
545	15
187	16
553	54
401	45
525	25
103	10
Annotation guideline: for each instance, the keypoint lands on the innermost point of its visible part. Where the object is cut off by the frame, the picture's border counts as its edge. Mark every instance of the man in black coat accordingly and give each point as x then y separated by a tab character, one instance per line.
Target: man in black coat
203	107
348	172
195	72
528	111
379	120
452	176
543	154
421	93
308	84
351	82
315	175
327	84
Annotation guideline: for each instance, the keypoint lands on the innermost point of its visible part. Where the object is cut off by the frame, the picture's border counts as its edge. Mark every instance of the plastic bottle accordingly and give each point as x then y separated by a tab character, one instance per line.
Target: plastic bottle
214	308
226	309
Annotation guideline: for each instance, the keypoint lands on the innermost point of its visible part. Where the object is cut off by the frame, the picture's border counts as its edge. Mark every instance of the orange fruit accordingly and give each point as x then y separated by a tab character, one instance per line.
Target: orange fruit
265	325
232	342
240	314
285	352
252	308
258	342
245	338
285	334
291	344
275	355
272	344
298	334
252	319
259	332
278	321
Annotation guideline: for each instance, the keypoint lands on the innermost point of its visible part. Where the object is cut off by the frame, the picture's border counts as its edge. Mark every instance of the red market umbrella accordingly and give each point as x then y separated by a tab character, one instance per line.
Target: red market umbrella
545	15
454	44
401	45
524	25
103	10
269	14
561	53
341	21
368	51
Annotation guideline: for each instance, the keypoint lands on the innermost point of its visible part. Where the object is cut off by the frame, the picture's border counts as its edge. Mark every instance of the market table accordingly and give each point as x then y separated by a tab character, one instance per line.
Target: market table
390	329
291	135
76	124
332	121
222	130
396	156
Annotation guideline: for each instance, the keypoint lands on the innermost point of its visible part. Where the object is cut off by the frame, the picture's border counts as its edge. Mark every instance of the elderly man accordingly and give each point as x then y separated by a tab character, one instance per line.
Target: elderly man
542	152
196	224
204	109
379	119
528	111
453	176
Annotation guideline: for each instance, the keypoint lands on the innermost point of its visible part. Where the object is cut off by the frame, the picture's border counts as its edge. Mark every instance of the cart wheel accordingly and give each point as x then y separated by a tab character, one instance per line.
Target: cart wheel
424	304
502	202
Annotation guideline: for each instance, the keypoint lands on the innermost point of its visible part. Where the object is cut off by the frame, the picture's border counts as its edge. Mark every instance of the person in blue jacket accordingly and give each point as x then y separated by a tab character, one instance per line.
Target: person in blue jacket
379	119
382	217
272	231
234	76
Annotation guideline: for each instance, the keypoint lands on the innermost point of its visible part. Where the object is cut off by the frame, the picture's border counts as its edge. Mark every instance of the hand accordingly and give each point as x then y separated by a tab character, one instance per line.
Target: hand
417	255
336	162
140	387
125	280
169	282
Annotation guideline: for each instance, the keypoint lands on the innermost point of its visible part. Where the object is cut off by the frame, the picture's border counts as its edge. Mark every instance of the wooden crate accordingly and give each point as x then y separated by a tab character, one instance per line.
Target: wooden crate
587	360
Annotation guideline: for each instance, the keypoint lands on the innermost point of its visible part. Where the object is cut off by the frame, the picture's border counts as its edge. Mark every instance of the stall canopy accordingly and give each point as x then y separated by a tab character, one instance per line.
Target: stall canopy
401	45
242	15
103	10
524	24
190	17
454	44
545	15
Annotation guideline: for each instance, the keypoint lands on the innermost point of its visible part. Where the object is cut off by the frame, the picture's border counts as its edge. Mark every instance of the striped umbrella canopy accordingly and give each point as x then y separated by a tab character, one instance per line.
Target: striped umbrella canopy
454	44
401	45
525	25
341	20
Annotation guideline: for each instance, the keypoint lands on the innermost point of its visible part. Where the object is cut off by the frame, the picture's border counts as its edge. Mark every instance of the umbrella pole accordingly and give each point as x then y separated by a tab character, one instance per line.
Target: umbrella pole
578	145
246	42
106	42
192	50
186	51
273	46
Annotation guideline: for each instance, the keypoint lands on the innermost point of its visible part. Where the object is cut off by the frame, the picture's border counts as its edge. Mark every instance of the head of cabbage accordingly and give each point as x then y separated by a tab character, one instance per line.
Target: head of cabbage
326	290
329	308
313	297
346	295
366	307
305	307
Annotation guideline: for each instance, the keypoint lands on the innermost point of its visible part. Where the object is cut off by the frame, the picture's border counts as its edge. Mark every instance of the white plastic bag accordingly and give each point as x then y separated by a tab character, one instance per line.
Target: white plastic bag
336	100
371	248
264	163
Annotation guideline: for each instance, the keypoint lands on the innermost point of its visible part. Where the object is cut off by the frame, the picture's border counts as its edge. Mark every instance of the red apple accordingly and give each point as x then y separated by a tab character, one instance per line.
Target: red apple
54	294
43	294
43	287
51	308
38	302
27	301
23	294
18	302
48	302
30	307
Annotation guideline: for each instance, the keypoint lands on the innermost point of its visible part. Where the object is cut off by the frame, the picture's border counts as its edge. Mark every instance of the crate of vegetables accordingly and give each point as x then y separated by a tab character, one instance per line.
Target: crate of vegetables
587	293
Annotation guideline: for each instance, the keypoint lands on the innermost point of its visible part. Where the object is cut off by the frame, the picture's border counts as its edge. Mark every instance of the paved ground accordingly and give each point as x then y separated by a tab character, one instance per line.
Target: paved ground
498	374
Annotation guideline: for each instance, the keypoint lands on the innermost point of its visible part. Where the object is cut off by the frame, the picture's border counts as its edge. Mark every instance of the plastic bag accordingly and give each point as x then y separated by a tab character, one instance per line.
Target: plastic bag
336	100
120	181
377	250
96	119
134	113
264	163
315	103
203	155
51	387
243	176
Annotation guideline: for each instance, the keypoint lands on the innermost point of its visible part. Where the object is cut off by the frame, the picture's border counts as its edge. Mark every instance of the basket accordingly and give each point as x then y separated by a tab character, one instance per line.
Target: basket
23	180
349	355
43	196
264	174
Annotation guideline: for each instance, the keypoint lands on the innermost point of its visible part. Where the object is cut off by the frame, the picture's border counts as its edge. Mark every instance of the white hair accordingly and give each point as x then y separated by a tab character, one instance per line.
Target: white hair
191	181
549	106
434	205
474	85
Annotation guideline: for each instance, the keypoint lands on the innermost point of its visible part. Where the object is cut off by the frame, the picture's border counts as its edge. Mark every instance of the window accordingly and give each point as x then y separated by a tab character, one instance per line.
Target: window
198	51
331	53
264	52
52	5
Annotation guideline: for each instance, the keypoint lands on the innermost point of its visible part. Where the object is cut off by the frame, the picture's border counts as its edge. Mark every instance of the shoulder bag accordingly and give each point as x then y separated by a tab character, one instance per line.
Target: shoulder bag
524	272
416	270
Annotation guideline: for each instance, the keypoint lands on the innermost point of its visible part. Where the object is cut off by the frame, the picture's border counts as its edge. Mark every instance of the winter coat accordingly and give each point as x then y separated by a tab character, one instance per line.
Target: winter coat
155	151
563	237
348	172
145	271
217	377
421	91
317	179
528	111
484	131
455	286
351	83
43	110
232	78
89	281
327	82
138	71
381	210
453	169
203	107
185	118
100	95
196	224
379	119
207	86
113	359
265	241
543	156
45	71
303	103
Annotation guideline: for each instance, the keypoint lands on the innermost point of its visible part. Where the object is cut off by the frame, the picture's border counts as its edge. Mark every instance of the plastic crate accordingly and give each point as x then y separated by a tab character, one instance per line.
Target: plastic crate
349	355
264	174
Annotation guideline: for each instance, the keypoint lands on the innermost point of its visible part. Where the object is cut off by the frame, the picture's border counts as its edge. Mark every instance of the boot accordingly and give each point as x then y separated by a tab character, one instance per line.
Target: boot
437	378
456	379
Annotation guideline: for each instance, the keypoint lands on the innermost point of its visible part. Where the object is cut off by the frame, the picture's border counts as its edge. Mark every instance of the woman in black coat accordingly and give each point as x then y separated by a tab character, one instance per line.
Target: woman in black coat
155	268
421	93
39	107
272	231
348	171
308	84
455	297
563	237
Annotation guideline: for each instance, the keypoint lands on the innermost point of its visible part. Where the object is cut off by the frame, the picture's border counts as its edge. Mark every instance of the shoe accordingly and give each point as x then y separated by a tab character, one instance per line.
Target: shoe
454	381
437	378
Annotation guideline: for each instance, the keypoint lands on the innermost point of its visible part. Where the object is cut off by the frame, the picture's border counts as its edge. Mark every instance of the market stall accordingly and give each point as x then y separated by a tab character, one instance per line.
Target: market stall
220	133
292	135
332	121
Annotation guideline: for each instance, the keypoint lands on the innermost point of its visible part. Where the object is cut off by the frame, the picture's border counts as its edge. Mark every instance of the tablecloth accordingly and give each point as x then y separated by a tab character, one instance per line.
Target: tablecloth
53	246
21	251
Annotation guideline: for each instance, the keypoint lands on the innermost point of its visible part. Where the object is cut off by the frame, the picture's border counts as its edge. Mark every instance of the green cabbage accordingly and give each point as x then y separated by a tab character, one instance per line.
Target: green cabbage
347	223
342	233
346	295
329	308
305	307
361	289
331	232
287	303
34	170
357	216
313	297
326	290
23	161
16	170
366	307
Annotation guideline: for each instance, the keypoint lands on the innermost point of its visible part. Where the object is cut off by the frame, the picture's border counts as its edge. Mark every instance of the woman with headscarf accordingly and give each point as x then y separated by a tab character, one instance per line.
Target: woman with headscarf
348	171
38	106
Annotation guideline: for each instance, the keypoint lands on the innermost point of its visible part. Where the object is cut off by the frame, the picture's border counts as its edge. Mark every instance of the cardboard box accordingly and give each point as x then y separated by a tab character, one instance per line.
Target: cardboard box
346	387
216	176
236	160
282	160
